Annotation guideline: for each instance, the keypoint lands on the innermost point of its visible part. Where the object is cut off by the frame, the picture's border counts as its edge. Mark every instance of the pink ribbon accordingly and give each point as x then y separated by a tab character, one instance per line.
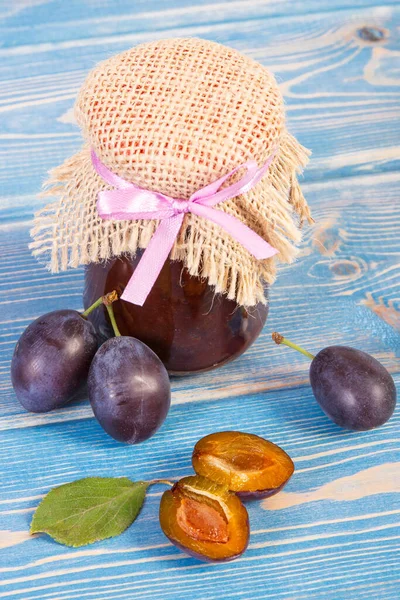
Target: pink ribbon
129	201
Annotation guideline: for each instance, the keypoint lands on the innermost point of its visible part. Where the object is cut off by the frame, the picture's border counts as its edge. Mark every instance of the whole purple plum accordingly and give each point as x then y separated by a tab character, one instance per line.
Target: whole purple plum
352	388
51	360
129	389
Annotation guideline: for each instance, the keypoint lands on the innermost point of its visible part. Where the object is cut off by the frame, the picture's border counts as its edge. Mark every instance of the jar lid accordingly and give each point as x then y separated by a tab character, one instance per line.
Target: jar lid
173	116
176	114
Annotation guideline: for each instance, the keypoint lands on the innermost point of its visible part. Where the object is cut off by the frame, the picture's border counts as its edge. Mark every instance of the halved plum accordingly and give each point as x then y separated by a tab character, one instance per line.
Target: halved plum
204	519
245	463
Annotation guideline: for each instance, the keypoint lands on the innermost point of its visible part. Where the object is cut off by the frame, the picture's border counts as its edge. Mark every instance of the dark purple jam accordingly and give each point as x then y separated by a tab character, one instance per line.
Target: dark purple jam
190	327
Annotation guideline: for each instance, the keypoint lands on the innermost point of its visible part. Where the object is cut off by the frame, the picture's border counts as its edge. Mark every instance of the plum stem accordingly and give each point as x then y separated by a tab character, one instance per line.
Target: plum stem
279	339
164	481
111	297
107	300
114	325
92	308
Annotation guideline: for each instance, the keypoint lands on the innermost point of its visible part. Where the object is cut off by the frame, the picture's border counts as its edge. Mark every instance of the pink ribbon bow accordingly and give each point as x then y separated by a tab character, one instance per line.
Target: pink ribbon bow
129	201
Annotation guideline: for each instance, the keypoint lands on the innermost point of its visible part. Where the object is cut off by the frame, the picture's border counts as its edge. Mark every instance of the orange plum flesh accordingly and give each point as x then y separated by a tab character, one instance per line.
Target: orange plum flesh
204	519
245	463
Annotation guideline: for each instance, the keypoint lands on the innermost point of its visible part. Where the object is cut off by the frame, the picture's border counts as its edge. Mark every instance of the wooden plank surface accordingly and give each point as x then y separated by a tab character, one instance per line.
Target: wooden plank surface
334	532
58	21
333	80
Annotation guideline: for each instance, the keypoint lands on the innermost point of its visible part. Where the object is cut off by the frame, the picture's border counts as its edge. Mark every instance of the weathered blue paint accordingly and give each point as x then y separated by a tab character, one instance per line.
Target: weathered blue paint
334	531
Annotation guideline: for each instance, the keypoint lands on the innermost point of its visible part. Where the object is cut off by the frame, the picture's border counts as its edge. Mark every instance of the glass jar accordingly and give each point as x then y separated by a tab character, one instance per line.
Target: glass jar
191	328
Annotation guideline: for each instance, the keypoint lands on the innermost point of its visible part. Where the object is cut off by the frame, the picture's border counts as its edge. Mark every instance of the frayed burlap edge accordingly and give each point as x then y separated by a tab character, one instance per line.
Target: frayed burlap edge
69	232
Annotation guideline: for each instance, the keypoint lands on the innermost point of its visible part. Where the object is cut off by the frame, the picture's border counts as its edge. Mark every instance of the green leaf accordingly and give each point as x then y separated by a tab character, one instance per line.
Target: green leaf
89	510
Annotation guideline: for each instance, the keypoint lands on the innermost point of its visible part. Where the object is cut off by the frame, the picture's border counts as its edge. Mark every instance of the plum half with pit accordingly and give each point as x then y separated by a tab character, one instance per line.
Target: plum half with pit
205	519
247	464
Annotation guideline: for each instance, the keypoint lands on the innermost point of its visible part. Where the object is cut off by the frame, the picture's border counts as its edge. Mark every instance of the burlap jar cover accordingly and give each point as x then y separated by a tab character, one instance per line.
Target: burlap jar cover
172	116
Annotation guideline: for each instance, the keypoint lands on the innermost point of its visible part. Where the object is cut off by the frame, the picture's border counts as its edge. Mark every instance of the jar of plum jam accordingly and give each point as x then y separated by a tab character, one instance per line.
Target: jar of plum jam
188	325
187	155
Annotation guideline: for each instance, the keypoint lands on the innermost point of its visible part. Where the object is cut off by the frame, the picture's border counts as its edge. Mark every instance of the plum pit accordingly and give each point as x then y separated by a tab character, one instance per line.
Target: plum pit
204	519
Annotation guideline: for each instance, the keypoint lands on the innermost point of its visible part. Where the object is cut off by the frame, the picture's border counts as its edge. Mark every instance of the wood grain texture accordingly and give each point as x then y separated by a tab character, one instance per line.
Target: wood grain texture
332	79
333	533
54	20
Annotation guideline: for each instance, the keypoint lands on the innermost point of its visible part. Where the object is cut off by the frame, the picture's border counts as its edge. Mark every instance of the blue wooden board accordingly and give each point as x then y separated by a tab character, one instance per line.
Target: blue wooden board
333	533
